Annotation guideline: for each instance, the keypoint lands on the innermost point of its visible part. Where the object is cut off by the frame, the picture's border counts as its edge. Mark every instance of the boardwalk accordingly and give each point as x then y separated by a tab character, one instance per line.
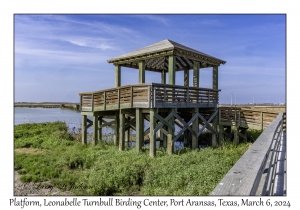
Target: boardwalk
280	178
261	170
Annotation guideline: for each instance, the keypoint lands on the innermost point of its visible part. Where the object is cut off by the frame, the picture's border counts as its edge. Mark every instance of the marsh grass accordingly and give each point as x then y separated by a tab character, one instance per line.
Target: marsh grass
47	152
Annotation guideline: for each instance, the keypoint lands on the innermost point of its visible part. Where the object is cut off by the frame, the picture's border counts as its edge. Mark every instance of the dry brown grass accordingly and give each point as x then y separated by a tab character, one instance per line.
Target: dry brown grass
29	151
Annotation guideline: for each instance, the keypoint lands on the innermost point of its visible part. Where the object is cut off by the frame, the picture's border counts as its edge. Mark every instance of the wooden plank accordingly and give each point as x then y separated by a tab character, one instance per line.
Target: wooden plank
185	126
164	121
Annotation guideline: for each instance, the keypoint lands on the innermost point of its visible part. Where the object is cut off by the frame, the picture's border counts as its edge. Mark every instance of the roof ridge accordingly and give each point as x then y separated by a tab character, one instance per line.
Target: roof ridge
160	46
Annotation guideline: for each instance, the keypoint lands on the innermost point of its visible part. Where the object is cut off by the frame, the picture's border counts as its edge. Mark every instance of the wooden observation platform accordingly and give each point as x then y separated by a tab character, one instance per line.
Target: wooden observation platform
192	108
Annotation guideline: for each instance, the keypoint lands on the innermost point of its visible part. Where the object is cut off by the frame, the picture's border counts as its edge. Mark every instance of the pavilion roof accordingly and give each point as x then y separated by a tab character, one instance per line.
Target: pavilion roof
156	57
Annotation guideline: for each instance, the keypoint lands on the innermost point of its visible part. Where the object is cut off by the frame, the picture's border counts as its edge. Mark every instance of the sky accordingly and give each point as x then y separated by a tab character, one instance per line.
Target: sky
57	56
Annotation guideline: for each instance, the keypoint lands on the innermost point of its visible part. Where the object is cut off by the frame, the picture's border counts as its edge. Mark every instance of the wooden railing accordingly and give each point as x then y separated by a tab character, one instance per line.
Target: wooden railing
257	119
148	96
246	176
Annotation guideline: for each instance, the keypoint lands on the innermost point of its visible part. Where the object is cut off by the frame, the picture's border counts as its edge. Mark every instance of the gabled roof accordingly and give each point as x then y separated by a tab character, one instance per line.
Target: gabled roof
156	54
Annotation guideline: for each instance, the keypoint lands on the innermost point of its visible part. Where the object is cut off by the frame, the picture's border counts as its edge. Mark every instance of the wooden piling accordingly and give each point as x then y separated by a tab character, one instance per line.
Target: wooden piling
152	134
95	128
195	127
84	130
139	130
122	131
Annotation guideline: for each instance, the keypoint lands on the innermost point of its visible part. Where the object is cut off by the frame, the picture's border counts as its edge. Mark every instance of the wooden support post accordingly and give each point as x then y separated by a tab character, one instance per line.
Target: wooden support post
152	134
116	135
186	83
236	135
195	127
170	136
214	136
171	69
215	77
122	131
100	121
139	129
95	128
186	132
163	77
186	137
186	77
228	131
221	134
196	73
161	137
141	71
170	147
117	75
127	133
262	120
164	137
84	130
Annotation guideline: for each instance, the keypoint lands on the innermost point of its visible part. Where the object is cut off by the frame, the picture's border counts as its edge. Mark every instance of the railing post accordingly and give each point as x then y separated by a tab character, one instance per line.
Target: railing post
118	98
262	121
104	101
149	97
208	98
131	97
92	102
188	97
165	95
80	103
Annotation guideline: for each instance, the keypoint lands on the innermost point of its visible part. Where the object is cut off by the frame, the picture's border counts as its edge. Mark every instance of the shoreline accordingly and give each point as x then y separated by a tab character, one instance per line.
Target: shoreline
72	106
36	189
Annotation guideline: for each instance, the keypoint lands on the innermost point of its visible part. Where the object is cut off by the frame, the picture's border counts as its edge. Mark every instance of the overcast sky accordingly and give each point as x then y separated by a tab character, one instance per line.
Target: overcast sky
57	56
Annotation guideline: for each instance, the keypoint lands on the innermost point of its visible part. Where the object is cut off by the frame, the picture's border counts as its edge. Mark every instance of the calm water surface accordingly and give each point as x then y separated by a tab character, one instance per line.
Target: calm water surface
70	117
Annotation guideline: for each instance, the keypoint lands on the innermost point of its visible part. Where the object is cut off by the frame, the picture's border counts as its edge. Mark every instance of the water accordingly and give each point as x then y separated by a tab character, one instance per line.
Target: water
70	117
38	115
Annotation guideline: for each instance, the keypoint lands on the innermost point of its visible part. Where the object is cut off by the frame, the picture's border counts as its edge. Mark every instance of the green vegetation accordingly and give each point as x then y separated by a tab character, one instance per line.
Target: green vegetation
46	151
252	135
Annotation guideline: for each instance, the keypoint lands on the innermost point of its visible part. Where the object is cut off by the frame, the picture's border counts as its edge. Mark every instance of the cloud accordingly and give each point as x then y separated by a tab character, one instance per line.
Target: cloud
157	18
